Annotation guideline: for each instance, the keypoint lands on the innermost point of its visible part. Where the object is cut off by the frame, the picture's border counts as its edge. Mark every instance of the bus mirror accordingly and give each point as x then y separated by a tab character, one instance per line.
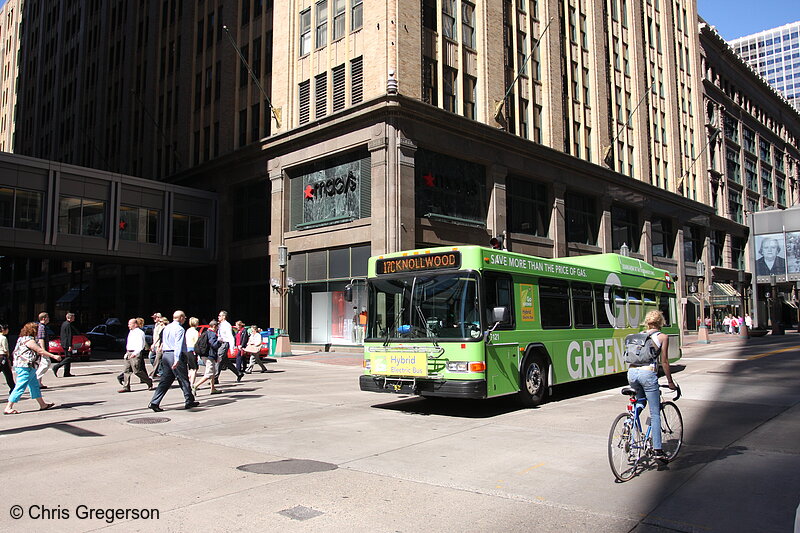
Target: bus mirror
499	314
348	292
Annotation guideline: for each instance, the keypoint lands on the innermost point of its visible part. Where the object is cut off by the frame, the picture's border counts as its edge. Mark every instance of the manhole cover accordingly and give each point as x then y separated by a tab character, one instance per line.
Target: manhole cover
288	466
299	512
148	420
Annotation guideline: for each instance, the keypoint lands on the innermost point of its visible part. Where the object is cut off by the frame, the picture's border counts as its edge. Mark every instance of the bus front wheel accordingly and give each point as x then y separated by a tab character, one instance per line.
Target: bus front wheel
534	386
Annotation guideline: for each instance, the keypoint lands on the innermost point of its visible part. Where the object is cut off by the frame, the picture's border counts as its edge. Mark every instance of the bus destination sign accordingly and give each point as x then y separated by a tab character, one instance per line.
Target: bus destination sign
418	263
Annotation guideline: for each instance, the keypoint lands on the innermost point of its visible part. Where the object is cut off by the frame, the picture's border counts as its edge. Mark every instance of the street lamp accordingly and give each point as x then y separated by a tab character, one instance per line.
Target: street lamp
702	330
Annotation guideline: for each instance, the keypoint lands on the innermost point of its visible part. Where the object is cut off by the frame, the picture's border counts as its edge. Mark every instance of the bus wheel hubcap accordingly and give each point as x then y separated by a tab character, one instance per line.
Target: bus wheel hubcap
534	378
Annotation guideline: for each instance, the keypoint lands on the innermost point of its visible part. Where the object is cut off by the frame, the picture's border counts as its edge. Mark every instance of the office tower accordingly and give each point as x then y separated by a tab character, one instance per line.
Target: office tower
10	23
775	54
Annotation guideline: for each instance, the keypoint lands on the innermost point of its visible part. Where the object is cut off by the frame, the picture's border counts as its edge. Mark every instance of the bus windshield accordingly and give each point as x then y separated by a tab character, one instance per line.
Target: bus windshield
436	307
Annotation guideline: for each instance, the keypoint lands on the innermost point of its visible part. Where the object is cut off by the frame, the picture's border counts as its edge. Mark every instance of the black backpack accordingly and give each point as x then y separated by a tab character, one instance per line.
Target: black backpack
201	346
640	349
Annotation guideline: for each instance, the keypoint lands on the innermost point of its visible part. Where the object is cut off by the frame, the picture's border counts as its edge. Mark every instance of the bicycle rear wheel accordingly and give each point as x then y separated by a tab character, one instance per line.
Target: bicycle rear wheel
623	452
671	430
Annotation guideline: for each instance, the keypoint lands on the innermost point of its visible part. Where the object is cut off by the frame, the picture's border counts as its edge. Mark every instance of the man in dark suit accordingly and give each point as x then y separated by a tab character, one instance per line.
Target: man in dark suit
68	331
770	262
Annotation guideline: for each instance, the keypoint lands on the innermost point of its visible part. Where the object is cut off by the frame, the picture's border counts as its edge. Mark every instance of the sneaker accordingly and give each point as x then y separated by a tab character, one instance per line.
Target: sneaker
660	456
120	379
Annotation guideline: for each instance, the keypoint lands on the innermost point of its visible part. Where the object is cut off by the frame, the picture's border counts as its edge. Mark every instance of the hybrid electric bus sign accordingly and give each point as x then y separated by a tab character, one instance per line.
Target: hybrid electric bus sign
418	263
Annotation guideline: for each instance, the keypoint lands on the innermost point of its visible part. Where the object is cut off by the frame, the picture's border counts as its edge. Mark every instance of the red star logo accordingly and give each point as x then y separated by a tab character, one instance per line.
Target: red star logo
430	180
308	193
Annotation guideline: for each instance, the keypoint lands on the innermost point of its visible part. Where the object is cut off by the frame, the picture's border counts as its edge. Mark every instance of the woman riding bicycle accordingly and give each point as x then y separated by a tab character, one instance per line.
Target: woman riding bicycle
644	378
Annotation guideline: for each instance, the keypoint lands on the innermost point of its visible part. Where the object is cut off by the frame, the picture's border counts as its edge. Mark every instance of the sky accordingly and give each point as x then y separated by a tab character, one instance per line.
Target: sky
737	18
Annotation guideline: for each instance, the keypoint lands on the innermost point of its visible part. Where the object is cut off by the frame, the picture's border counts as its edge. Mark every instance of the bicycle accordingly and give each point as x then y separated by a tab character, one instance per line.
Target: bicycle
629	445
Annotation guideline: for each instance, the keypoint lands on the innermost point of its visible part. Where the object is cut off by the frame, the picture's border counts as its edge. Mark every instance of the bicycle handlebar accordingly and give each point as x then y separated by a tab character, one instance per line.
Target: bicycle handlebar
677	391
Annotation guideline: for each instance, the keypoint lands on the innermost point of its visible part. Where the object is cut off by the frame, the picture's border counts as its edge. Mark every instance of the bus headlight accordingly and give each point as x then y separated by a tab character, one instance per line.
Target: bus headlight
466	366
367	364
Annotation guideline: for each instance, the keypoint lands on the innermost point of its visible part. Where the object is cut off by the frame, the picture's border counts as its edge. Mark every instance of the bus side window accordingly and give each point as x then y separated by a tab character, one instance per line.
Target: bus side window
554	303
635	316
665	305
499	293
582	305
600	304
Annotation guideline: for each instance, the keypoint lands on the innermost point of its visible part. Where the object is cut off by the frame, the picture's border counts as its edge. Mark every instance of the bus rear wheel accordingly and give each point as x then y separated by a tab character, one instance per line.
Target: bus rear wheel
534	387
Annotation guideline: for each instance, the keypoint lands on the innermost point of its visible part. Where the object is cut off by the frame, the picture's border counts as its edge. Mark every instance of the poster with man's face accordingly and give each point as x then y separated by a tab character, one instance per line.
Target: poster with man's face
770	256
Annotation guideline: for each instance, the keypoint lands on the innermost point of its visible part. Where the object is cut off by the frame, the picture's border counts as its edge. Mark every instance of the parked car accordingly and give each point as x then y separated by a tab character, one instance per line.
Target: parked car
81	345
109	336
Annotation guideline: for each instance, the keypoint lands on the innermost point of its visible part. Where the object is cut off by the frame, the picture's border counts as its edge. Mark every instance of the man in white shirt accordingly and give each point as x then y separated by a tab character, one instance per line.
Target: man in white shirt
173	363
134	363
226	340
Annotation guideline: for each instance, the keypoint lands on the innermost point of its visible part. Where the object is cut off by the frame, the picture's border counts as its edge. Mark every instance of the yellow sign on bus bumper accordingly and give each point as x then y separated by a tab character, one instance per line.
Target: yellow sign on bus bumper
400	364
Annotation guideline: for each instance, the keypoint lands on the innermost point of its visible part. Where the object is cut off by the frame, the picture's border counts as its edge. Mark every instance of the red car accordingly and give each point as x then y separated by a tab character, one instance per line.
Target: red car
81	347
232	351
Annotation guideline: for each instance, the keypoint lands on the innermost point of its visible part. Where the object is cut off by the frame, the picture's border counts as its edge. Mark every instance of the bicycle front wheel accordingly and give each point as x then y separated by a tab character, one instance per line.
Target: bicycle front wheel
623	452
671	430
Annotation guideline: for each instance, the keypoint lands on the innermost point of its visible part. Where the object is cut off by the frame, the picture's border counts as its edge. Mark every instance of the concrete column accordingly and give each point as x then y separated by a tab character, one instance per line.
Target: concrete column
279	224
646	242
606	239
558	221
497	221
406	180
381	203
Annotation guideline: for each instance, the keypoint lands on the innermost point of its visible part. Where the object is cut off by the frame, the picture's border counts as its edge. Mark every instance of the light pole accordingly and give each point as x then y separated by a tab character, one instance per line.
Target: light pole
702	329
283	285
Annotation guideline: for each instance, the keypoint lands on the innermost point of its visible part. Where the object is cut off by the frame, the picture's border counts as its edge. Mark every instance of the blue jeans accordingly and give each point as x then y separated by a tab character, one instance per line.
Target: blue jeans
645	382
26	379
168	377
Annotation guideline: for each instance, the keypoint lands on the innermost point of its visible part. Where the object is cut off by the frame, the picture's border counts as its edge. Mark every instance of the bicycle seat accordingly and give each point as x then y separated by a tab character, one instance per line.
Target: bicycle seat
629	392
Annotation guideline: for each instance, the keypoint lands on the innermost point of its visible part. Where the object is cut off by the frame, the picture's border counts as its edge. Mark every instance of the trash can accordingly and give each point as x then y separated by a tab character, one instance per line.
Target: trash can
273	335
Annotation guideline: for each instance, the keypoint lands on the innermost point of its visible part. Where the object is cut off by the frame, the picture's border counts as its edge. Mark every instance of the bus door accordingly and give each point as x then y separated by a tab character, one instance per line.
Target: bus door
502	356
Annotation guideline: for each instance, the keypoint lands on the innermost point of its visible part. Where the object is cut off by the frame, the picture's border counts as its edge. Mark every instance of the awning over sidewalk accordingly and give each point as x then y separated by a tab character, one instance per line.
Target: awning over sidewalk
724	294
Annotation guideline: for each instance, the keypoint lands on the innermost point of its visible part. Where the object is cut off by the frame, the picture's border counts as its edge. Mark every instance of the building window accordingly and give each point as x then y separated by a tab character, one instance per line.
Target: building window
780	190
449	90
304	97
624	228
468	24
716	242
321	37
732	165
321	95
20	209
356	15
243	74
737	252
750	174
529	210
765	151
338	88
250	218
779	161
305	31
449	19
749	140
731	128
692	245
470	95
766	183
139	224
581	218
82	216
356	80
339	10
662	237
188	231
429	88
735	205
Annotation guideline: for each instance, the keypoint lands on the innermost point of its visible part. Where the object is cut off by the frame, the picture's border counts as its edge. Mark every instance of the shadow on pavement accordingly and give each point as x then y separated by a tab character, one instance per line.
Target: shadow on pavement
738	469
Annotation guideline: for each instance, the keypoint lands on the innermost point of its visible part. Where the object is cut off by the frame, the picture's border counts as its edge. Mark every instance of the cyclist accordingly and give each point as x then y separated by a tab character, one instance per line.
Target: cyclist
644	379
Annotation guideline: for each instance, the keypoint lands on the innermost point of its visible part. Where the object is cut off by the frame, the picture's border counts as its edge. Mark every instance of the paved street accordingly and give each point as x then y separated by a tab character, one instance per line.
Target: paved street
340	459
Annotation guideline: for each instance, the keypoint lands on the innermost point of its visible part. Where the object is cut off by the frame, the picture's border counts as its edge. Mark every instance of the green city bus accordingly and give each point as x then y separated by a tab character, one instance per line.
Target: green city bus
476	322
